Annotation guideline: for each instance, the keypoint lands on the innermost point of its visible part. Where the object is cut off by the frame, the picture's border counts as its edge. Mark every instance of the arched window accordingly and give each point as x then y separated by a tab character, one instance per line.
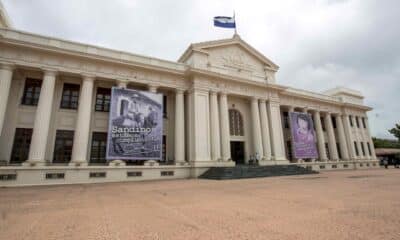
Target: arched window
235	123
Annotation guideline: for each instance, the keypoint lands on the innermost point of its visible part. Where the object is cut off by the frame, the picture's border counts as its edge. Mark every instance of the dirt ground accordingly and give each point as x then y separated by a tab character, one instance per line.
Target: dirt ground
362	204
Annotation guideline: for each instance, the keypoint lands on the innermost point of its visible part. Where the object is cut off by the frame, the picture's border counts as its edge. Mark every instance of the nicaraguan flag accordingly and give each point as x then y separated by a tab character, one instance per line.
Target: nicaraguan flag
225	22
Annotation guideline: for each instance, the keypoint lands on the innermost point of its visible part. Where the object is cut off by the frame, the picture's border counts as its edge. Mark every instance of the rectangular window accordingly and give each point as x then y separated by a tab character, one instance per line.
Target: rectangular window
98	148
31	92
8	177
97	174
363	122
369	149
356	148
164	148
323	124
165	106
351	120
55	175
103	99
338	150
358	122
134	174
363	148
70	96
328	154
333	122
63	146
22	141
286	119
167	173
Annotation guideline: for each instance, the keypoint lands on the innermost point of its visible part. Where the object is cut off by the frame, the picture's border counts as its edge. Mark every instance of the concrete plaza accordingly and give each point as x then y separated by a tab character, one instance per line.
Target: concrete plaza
362	204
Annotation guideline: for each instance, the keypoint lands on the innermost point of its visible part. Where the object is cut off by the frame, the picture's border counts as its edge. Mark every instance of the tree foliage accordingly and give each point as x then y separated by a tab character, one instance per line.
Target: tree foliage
396	131
385	143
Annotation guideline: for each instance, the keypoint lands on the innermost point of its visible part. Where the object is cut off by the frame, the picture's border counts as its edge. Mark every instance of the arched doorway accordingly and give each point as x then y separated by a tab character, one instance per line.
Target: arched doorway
236	130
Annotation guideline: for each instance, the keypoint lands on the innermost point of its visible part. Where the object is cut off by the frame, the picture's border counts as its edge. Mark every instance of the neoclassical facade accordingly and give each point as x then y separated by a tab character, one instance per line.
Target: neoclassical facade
222	105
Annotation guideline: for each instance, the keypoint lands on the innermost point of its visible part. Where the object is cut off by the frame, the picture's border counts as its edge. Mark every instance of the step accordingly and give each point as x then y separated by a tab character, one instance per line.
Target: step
247	171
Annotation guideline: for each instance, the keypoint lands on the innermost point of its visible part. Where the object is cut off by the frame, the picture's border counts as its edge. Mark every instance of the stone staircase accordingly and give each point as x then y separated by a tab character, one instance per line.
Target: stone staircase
250	171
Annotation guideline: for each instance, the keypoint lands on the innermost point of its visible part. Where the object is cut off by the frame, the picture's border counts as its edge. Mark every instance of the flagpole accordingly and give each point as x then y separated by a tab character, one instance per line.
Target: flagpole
234	19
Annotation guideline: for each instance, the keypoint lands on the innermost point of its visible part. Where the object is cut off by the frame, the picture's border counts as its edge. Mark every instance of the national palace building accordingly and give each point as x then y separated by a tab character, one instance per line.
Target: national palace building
221	107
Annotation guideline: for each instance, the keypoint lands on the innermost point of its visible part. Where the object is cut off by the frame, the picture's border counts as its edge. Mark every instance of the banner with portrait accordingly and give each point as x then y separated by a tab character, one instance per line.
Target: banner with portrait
303	135
135	125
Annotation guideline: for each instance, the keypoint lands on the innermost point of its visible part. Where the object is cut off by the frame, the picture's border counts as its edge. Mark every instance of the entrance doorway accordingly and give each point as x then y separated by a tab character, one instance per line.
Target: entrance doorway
237	152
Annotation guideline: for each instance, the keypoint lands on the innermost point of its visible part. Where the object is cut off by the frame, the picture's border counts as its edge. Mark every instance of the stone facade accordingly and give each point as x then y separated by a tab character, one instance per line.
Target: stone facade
210	81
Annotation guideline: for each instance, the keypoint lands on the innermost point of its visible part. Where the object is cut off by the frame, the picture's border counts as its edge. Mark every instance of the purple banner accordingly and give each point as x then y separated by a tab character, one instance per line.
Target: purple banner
135	125
303	135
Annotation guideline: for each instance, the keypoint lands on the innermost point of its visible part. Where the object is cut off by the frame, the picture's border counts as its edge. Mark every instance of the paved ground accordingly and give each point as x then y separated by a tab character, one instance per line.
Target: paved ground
336	205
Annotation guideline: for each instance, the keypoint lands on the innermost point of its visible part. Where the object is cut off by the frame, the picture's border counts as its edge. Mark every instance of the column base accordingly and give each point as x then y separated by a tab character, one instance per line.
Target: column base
78	164
281	160
266	162
181	164
151	163
33	163
116	163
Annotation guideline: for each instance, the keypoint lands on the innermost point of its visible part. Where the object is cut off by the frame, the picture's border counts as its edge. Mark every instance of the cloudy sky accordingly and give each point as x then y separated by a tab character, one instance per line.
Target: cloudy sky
318	44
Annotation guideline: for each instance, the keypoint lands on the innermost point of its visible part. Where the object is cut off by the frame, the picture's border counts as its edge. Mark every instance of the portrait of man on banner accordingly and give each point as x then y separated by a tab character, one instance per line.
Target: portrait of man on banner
303	135
135	125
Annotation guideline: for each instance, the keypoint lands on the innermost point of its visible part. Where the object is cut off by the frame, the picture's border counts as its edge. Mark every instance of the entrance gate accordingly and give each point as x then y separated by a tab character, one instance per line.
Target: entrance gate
237	152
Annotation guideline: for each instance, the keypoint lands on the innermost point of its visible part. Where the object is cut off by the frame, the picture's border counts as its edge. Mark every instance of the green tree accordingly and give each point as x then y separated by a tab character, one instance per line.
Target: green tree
396	131
385	143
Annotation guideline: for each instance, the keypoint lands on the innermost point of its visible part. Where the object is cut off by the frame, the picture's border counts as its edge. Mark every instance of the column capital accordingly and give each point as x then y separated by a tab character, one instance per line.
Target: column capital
153	87
213	92
263	100
7	66
50	72
179	90
88	77
254	98
223	94
122	82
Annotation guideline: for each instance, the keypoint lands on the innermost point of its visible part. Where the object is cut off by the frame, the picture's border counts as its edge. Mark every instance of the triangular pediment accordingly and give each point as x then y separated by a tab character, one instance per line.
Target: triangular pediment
233	53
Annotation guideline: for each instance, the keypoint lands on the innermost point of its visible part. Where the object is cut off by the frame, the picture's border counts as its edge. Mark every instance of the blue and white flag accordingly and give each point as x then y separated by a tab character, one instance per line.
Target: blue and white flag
225	22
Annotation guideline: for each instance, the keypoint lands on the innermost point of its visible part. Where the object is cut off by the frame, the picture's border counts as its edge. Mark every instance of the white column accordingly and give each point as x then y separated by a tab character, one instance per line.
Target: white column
331	137
265	130
214	129
371	143
255	117
82	129
6	72
365	138
320	137
179	127
277	141
349	137
356	138
42	119
342	138
224	125
360	152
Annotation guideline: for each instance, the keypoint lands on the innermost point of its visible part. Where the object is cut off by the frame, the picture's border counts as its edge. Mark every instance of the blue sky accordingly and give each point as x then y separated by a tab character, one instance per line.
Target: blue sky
318	44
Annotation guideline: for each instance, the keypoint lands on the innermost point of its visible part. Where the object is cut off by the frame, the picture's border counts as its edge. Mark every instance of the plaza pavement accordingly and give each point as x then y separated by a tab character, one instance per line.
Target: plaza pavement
362	204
